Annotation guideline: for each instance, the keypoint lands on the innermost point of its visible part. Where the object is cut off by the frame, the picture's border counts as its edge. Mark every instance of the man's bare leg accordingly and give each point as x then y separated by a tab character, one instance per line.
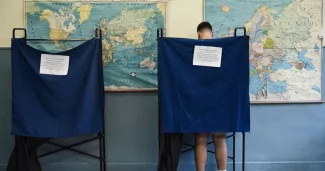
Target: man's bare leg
221	152
201	140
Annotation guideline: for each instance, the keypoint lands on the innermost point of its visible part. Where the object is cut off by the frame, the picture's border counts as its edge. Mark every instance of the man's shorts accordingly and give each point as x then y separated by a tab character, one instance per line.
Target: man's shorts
218	133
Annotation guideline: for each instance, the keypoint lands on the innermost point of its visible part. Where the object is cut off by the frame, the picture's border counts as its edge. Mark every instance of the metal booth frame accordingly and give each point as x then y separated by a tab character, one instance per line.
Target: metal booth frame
160	33
100	136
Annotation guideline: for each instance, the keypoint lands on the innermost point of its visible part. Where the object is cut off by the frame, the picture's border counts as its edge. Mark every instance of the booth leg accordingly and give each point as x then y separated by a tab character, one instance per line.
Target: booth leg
243	154
234	152
102	158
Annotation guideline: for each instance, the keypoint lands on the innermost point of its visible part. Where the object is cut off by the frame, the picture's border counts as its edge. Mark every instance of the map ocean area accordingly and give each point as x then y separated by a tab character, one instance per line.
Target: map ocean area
285	50
128	33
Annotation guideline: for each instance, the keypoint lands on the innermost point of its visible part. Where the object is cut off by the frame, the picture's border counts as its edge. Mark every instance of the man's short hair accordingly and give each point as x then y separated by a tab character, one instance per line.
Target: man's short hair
204	25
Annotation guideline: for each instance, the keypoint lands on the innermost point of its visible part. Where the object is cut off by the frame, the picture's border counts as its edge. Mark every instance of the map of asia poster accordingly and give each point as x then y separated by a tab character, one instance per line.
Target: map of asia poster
285	47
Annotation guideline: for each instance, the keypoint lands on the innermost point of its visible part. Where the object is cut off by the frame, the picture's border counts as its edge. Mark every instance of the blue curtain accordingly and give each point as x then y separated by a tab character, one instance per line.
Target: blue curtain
52	106
203	99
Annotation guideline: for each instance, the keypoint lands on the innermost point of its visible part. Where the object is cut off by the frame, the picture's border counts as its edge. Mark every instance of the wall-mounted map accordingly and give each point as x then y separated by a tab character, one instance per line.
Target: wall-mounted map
129	36
285	50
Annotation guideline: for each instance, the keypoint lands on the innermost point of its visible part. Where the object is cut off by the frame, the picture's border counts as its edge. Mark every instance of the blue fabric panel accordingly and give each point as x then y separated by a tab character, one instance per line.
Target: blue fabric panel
203	99
52	106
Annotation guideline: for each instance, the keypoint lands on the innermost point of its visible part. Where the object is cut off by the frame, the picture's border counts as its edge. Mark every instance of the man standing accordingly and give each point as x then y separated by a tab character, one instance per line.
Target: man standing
204	31
171	143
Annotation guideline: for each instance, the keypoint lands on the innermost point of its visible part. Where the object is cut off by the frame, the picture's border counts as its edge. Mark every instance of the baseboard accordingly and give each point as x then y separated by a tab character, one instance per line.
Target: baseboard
312	166
94	167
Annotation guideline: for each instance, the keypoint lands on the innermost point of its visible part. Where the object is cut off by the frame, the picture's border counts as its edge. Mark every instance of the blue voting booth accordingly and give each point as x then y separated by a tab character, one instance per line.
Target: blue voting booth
201	94
55	95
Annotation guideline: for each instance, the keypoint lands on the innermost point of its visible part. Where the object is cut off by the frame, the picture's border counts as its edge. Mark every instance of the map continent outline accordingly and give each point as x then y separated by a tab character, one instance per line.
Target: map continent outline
128	32
285	48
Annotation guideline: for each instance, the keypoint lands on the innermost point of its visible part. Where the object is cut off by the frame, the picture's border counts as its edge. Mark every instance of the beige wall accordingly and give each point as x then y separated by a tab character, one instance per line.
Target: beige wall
11	13
182	18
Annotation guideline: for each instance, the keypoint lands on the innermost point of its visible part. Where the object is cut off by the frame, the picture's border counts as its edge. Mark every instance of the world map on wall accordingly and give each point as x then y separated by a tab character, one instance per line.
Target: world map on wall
285	48
129	32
